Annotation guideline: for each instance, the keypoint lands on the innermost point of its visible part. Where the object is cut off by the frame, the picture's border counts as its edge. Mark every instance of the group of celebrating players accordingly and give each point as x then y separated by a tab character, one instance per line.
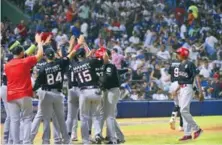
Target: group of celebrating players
93	83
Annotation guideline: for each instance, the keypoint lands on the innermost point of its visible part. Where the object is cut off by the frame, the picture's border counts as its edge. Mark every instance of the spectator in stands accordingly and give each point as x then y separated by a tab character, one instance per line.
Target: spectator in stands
84	11
190	18
22	30
205	70
210	42
163	53
216	87
117	58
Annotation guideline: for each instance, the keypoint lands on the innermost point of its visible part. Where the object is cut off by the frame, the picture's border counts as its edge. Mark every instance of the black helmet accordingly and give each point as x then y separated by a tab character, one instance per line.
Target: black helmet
81	53
49	52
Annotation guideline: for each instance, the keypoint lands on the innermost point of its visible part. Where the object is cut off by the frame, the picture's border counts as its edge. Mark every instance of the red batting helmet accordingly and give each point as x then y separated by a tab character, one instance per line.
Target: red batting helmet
100	52
183	52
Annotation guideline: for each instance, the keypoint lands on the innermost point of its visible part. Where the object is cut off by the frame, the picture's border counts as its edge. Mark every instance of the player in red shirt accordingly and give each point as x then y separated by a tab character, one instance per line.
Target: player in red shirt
19	89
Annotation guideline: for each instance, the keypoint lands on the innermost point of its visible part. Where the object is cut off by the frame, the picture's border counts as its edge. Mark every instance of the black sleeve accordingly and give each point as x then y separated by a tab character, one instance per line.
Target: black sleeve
40	80
169	70
96	63
65	62
193	70
122	71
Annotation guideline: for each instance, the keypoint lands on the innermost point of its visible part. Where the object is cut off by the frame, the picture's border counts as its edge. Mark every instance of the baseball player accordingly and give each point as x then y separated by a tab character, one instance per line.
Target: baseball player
19	89
50	79
174	73
187	74
90	96
39	117
73	104
110	85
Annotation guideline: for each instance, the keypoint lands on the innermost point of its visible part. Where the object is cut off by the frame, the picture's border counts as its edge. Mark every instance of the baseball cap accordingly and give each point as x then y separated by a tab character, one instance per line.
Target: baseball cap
50	53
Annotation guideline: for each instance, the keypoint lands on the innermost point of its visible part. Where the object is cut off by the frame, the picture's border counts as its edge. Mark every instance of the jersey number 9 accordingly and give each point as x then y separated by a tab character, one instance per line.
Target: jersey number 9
176	72
51	79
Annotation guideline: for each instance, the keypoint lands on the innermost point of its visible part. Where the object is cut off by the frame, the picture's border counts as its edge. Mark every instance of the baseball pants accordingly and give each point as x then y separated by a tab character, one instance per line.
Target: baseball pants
89	100
185	98
7	134
52	102
73	109
21	109
109	113
36	123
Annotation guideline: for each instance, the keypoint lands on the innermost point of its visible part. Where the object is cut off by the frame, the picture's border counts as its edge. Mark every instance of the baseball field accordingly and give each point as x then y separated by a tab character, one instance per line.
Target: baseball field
157	131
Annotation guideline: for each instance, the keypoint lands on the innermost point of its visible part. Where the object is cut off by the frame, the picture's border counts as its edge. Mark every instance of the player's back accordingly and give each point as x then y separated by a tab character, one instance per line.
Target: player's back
53	73
85	72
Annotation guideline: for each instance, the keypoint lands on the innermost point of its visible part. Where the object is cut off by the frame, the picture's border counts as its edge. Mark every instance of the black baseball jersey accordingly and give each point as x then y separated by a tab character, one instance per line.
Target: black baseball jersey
70	75
110	78
85	72
187	72
40	64
174	71
51	75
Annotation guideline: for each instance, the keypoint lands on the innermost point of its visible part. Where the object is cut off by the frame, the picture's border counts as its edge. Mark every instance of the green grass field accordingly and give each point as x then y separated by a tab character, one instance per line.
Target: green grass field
157	131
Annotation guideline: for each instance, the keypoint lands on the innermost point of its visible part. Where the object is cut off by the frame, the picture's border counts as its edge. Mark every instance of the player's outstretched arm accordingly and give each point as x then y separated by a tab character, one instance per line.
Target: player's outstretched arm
38	39
80	41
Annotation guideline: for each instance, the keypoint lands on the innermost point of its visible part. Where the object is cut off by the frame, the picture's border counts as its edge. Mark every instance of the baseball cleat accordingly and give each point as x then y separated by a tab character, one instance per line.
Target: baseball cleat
172	124
110	142
98	139
198	133
186	138
120	141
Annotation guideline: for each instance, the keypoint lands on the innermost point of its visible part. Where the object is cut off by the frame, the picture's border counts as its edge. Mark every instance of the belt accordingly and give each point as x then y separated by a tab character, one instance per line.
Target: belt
51	89
184	85
89	87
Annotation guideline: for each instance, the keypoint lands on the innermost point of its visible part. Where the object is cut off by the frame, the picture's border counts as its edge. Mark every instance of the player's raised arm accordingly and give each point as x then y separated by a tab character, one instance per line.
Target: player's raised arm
73	48
38	39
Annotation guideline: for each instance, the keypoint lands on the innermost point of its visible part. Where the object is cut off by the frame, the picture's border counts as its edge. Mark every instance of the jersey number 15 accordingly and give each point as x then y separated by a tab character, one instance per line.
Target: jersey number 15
85	76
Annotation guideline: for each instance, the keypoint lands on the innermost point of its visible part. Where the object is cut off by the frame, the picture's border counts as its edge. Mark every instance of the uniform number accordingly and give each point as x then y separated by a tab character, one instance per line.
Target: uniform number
51	79
176	72
72	76
85	76
99	74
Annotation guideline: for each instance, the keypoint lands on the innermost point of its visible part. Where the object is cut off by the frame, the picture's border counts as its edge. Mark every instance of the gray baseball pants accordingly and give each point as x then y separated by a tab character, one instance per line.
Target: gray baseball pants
185	98
108	112
73	109
36	123
89	100
52	102
20	109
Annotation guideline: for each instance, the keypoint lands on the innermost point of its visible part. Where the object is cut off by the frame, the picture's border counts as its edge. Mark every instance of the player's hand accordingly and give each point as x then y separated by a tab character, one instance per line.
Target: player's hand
38	38
173	94
81	40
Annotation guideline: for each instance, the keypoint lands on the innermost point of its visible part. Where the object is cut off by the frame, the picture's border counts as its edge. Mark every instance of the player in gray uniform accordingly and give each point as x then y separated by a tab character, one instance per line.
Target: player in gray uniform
187	74
39	117
50	79
111	93
89	98
73	104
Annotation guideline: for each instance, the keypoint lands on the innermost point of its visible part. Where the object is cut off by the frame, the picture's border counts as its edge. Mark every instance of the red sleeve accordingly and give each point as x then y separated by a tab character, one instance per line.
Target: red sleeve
30	61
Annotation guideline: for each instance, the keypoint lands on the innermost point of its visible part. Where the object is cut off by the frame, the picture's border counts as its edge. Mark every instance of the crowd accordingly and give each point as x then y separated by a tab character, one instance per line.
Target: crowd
143	36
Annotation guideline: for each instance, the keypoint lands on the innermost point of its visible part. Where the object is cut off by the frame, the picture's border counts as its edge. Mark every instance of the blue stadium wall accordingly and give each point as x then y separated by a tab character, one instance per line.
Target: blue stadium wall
139	109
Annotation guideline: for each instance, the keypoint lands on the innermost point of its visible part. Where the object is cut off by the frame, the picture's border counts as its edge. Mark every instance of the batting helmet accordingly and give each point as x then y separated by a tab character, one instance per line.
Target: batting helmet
183	52
49	53
100	52
80	53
